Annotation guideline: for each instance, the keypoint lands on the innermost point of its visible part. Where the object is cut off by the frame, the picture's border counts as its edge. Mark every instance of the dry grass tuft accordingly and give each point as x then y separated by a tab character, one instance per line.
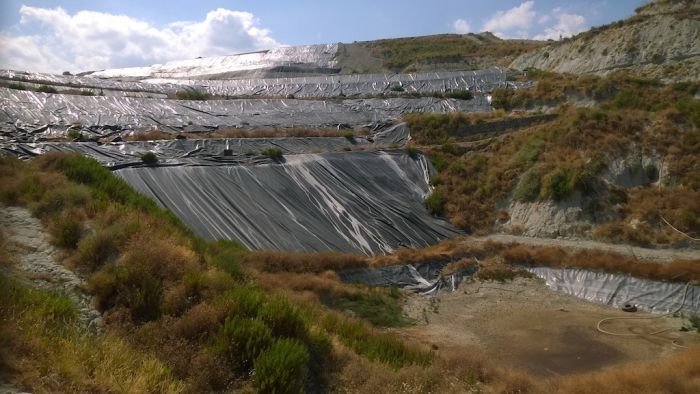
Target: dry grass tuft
268	261
681	271
679	373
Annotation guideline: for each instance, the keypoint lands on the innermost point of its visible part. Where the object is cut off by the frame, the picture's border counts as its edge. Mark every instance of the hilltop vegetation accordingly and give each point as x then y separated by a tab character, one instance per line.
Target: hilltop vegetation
429	53
629	163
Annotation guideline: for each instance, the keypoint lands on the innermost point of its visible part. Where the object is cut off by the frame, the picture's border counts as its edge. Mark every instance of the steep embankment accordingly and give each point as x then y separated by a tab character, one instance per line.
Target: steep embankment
662	40
362	202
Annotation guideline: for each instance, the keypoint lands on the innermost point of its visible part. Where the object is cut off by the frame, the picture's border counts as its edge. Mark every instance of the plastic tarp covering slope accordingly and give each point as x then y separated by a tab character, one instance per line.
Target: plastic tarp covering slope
326	86
482	81
366	202
426	278
24	111
305	58
617	290
203	151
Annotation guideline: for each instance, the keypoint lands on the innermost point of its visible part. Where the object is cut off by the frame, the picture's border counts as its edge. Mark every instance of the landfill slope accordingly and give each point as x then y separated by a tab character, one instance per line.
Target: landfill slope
50	115
364	202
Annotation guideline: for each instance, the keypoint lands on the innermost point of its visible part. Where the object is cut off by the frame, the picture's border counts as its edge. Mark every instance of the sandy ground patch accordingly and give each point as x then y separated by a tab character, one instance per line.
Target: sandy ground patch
525	325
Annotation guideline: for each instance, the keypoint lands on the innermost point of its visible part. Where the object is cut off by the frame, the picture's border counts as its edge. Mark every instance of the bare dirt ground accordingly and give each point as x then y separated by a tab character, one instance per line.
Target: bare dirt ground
659	255
37	262
525	325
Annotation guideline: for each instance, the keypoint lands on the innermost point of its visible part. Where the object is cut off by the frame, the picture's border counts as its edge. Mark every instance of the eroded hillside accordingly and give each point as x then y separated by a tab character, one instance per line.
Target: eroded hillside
660	41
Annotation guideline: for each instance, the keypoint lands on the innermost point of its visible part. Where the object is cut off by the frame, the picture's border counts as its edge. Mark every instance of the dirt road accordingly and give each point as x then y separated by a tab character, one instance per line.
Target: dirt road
659	255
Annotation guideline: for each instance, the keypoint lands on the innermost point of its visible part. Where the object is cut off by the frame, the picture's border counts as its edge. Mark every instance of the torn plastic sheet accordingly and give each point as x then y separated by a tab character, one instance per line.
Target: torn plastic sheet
28	112
363	202
425	279
617	290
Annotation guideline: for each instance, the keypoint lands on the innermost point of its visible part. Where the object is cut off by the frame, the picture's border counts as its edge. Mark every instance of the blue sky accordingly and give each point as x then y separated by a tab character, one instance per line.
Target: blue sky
52	35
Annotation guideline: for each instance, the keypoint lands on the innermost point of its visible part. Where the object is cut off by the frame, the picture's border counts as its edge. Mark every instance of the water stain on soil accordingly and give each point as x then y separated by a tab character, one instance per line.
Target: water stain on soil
575	350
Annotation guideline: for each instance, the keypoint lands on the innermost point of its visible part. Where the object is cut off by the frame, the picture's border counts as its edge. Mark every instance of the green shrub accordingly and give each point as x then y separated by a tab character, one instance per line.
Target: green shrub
375	306
435	202
411	151
74	134
66	232
283	318
149	158
227	255
382	347
350	136
438	161
273	153
86	93
528	188
189	94
530	152
106	186
248	301
460	94
16	86
139	291
695	322
55	200
397	88
246	339
282	368
47	89
96	249
558	184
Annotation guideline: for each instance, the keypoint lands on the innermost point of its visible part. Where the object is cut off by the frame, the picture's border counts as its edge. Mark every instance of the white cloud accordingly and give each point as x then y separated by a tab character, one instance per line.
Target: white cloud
461	26
567	25
516	19
90	40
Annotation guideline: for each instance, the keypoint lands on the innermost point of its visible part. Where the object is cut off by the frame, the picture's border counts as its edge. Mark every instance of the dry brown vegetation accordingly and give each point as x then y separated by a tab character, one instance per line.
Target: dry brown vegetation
677	374
681	271
570	155
465	52
245	133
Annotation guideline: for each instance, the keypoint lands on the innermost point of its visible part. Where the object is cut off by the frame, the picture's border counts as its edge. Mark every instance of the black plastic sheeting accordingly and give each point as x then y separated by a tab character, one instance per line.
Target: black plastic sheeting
364	202
426	279
206	151
28	114
617	290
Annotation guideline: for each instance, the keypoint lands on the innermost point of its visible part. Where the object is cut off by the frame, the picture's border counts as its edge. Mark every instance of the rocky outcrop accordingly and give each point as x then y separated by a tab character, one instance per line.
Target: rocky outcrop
661	41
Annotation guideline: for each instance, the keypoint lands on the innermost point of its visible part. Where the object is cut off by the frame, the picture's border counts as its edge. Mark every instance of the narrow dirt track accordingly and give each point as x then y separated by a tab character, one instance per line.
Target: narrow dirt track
36	262
658	255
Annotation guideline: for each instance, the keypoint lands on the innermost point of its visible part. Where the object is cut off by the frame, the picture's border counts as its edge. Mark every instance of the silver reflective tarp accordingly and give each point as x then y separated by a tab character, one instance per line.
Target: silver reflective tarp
33	114
322	86
617	290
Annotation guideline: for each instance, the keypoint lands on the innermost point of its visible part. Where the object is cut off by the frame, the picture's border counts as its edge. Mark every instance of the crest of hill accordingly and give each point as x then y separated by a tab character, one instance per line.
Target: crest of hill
446	52
661	41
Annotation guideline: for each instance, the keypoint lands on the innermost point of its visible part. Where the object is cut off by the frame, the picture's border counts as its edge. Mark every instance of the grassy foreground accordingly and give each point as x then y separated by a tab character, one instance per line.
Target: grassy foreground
184	315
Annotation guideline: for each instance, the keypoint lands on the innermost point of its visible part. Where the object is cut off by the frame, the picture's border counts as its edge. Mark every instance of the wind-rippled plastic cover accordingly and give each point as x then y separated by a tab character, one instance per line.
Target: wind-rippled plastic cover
323	86
617	290
364	202
26	114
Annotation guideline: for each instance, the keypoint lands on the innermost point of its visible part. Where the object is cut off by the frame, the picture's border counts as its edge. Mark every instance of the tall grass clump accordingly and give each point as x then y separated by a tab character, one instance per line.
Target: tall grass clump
282	368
